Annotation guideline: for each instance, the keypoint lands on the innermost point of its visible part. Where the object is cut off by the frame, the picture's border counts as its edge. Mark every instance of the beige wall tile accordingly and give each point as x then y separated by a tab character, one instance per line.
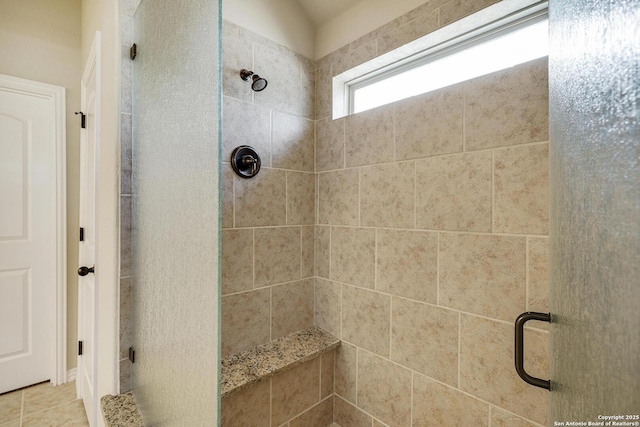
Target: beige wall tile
322	250
369	137
425	338
366	319
500	418
323	91
384	389
238	54
227	195
238	130
457	9
301	196
353	256
10	406
454	192
292	142
339	192
354	57
237	260
261	201
345	378
538	292
408	32
438	405
347	415
247	408
483	274
406	264
387	195
277	255
329	144
307	251
284	92
245	321
15	423
294	391
429	124
377	423
486	366
327	363
508	107
328	306
320	415
291	307
521	177
307	99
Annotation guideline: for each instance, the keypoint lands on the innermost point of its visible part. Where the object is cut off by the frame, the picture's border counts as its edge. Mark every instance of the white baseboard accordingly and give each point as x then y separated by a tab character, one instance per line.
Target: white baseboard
71	375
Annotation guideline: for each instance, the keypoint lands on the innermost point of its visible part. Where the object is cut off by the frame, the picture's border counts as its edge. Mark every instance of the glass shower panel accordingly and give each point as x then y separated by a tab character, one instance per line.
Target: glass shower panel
176	211
594	80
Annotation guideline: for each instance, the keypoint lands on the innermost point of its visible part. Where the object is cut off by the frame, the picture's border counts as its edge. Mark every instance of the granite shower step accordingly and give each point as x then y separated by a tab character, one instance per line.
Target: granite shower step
253	365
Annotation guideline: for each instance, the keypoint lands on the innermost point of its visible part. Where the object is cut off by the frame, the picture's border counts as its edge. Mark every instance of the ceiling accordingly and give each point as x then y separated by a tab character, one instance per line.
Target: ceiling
321	11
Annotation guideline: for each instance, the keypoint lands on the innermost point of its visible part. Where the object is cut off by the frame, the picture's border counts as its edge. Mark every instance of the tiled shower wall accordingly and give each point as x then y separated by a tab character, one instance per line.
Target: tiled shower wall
267	221
432	236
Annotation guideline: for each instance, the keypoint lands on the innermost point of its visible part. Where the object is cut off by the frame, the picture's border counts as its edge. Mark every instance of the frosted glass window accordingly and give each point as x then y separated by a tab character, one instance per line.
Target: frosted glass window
484	54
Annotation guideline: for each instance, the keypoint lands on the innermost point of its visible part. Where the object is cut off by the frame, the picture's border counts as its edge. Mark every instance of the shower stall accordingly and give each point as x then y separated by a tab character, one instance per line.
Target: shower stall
414	233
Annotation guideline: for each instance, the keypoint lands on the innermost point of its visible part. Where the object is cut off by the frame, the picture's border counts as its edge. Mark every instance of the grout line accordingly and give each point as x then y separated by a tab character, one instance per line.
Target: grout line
21	407
464	114
411	407
253	254
459	153
357	365
368	227
459	344
359	196
526	274
438	269
390	324
493	192
375	260
286	198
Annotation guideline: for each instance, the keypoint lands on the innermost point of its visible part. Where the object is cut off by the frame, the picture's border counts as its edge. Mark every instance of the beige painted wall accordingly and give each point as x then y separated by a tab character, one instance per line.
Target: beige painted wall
40	40
103	16
281	21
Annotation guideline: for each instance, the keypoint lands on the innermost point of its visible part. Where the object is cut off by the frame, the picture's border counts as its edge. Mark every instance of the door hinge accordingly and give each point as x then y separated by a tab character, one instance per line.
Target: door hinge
82	234
79	348
133	51
83	119
132	355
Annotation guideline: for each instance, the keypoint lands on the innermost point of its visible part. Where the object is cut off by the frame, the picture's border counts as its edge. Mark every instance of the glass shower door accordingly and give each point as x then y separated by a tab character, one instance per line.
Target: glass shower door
594	76
176	211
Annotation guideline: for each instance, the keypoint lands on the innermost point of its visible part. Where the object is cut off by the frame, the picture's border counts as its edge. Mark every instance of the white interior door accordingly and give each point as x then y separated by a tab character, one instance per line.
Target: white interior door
28	233
87	295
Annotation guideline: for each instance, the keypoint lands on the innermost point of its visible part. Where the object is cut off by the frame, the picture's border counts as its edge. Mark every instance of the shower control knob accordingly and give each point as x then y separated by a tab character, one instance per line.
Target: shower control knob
245	161
83	271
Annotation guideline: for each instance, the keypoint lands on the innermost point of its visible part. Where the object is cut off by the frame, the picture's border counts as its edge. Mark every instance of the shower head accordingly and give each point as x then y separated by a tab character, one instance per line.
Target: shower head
257	82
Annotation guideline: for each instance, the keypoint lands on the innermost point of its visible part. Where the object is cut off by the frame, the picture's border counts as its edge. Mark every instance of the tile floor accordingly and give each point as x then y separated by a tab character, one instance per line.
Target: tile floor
42	405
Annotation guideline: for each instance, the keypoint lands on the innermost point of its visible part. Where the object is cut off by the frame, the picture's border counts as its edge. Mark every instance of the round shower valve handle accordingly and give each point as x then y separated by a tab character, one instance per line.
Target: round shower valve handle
245	161
83	271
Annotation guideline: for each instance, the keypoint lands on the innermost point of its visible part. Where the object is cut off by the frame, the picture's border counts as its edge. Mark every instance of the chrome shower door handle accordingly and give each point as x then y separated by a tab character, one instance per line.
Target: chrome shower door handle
519	347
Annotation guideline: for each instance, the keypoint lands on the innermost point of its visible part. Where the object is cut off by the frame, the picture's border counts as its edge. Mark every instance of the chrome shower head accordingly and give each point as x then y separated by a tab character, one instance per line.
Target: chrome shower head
257	82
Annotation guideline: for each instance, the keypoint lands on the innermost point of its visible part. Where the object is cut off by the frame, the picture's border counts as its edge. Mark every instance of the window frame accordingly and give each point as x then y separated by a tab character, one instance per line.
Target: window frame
491	22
